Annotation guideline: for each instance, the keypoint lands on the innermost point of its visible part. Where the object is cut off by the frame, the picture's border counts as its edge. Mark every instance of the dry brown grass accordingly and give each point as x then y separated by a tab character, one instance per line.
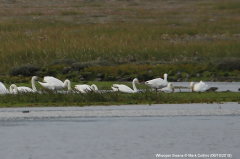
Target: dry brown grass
106	11
39	31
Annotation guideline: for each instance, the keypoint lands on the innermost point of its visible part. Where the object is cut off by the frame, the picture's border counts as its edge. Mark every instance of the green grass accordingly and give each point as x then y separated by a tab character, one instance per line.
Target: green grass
116	98
228	5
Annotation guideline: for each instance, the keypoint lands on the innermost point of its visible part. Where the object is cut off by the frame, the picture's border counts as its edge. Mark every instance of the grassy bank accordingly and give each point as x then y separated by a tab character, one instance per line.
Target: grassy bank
116	98
118	32
51	98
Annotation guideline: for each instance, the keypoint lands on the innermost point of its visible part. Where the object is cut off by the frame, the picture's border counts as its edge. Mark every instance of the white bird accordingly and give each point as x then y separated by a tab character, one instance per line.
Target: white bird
158	83
53	83
198	87
84	88
115	89
14	89
168	89
3	89
126	89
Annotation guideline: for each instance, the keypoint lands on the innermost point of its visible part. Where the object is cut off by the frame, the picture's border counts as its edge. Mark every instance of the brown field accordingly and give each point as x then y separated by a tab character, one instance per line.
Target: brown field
191	12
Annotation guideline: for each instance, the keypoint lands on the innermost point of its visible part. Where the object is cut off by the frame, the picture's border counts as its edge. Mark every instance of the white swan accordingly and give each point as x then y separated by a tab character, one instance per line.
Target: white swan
3	89
198	87
84	88
126	89
53	83
168	89
158	83
14	89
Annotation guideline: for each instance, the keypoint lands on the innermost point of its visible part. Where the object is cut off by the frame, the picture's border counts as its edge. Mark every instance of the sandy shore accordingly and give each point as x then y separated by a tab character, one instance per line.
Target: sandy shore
121	111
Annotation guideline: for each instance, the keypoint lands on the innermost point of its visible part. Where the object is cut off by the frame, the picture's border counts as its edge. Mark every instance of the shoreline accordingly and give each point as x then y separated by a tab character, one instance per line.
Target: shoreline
143	110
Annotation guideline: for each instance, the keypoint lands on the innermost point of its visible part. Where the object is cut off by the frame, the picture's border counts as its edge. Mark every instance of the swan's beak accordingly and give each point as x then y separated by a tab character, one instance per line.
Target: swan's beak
173	89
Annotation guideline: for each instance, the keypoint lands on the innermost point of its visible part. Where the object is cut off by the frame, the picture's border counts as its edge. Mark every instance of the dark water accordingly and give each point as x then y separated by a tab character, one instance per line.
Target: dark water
126	137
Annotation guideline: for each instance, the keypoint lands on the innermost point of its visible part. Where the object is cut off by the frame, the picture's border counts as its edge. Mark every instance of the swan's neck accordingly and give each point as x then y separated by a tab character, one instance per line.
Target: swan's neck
33	85
67	83
165	77
94	87
12	87
192	86
169	85
134	86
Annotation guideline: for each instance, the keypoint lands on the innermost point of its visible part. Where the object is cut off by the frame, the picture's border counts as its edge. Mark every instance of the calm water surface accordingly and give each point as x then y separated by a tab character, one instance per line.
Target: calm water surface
148	130
222	86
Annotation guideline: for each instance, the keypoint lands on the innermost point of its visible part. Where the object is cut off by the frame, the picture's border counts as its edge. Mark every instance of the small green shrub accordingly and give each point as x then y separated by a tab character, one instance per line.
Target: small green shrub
81	65
64	62
171	73
48	71
71	75
119	72
102	63
110	78
144	77
228	64
25	70
225	74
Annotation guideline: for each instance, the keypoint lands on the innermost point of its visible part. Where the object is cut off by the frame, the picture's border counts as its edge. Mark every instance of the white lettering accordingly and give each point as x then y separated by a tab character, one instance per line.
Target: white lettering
163	155
203	155
177	155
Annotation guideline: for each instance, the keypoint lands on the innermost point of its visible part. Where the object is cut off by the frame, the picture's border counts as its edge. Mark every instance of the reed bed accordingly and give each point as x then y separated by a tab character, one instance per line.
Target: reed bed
120	32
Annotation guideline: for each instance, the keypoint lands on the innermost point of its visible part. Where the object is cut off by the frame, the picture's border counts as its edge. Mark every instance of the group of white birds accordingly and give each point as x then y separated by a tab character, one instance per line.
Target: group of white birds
50	83
53	83
164	86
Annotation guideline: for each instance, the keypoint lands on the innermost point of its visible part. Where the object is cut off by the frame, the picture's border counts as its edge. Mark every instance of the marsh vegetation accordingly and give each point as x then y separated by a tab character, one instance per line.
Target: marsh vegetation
39	32
119	40
51	98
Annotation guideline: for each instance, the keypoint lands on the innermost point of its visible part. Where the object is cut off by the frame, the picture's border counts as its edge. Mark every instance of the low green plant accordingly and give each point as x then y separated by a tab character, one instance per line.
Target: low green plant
52	98
24	70
228	64
64	62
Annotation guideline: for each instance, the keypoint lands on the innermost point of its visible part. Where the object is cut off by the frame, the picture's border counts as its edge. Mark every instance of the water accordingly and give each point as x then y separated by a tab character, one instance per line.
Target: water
120	132
222	86
185	86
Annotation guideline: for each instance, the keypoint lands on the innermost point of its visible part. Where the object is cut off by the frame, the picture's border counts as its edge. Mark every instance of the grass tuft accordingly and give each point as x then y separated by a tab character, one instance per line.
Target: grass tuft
51	98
